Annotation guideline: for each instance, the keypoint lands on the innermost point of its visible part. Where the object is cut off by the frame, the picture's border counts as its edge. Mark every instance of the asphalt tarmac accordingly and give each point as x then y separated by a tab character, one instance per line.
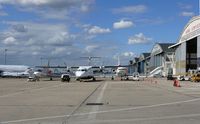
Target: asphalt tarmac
150	101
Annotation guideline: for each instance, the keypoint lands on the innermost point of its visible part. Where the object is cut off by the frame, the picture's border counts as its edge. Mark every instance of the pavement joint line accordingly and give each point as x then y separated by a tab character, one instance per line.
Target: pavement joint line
101	112
29	90
99	99
85	99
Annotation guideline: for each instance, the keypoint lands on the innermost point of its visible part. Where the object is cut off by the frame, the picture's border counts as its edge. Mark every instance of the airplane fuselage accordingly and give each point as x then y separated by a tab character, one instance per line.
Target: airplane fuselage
85	72
14	70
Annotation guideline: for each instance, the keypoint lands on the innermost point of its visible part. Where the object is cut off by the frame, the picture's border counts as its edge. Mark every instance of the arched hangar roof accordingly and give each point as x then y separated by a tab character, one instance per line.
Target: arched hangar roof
190	31
161	47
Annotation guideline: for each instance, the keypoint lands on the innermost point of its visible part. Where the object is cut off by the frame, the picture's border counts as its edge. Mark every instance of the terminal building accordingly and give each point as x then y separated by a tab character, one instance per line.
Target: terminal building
187	49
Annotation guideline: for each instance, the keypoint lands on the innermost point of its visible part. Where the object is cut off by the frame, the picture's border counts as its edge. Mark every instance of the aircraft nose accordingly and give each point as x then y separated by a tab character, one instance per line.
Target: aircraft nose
37	74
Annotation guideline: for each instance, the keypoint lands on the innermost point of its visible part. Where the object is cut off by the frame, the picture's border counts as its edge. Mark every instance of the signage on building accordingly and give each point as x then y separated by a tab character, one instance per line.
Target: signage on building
191	31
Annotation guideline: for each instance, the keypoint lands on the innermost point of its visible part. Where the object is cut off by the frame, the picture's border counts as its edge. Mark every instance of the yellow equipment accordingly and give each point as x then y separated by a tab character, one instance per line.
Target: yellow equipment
195	77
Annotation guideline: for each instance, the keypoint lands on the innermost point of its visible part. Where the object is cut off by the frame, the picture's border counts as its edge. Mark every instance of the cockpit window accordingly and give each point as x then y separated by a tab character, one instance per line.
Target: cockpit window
82	70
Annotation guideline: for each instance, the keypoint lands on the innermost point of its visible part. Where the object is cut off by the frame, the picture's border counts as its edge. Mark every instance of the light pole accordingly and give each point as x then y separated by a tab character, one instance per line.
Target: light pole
5	55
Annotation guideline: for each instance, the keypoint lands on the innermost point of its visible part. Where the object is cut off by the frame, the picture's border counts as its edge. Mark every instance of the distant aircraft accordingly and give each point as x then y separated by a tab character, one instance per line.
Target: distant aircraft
49	71
120	70
14	70
46	71
90	72
87	72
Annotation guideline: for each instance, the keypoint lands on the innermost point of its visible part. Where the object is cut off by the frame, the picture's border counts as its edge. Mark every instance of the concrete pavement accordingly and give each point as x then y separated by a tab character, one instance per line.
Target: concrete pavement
150	101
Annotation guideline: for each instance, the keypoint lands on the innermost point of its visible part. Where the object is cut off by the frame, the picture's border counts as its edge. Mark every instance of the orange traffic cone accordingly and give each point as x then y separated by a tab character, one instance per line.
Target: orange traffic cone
176	83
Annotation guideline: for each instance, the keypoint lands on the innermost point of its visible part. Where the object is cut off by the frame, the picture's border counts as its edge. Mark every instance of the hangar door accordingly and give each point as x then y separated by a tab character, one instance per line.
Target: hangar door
191	54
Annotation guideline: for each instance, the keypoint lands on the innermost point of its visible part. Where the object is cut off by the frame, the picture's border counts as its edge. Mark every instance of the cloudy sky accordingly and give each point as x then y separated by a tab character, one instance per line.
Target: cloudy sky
65	30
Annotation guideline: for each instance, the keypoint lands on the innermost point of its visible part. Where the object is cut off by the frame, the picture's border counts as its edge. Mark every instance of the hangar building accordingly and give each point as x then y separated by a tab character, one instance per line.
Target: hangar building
187	49
161	59
143	63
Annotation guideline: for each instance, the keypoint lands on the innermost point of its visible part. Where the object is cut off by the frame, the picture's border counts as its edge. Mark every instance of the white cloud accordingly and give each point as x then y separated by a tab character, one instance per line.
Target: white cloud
54	9
139	39
31	40
58	50
38	39
124	57
10	41
91	48
128	54
19	28
187	14
122	24
185	6
55	4
131	9
98	30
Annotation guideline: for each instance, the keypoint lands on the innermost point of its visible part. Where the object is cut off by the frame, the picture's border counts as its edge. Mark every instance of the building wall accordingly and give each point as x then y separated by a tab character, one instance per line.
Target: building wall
146	66
142	67
156	61
180	59
190	31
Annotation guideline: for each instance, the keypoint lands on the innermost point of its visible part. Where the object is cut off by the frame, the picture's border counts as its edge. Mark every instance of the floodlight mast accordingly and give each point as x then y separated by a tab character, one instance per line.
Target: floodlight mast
6	56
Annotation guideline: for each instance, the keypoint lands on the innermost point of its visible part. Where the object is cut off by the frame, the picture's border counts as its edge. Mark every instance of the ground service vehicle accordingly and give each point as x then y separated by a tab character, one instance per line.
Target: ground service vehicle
65	77
136	76
195	77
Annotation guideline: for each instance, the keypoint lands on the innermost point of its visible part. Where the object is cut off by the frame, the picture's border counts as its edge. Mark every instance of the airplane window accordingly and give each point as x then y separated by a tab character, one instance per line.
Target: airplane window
83	70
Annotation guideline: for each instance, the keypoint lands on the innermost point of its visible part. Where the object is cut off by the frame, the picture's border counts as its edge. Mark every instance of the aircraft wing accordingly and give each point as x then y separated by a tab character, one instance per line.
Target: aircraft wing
115	66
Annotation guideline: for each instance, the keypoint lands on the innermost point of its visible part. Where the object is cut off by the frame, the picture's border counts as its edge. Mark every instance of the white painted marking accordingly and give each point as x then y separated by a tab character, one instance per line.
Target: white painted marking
142	119
100	112
34	119
98	100
141	107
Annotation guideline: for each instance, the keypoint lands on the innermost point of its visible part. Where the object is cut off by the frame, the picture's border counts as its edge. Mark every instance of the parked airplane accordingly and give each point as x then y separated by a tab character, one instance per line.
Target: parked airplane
90	72
49	71
87	72
13	70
